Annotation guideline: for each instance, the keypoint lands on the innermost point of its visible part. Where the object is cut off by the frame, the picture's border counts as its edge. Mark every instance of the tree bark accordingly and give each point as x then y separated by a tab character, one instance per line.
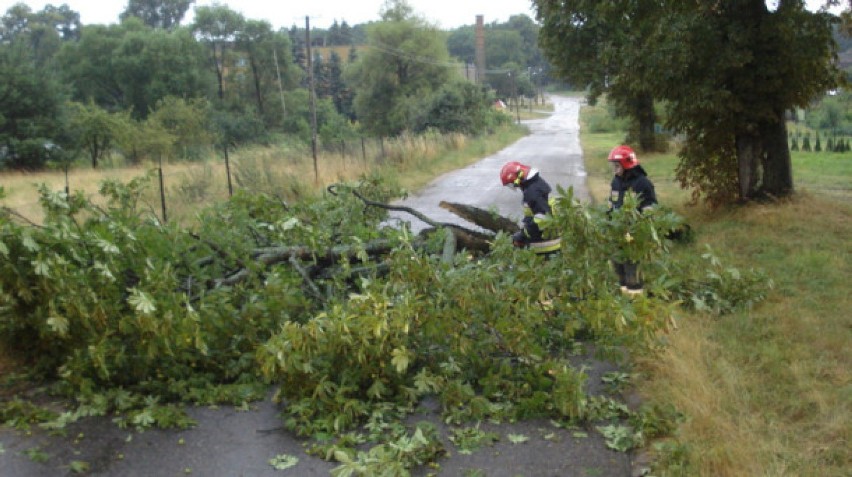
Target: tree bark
748	152
256	76
777	166
218	67
763	159
646	118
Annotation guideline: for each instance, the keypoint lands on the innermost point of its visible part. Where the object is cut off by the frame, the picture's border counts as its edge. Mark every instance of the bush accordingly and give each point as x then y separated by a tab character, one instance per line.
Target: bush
601	121
459	107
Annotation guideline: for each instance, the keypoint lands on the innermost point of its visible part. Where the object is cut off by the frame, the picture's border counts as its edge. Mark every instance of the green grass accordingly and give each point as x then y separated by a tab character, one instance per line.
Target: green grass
824	173
765	392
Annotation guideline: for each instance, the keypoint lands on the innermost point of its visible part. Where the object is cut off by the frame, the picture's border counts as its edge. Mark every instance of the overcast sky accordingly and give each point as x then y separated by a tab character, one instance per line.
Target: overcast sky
446	14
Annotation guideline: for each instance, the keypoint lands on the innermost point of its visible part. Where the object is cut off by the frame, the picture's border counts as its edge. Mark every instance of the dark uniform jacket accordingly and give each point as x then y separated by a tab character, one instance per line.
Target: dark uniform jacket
636	180
536	196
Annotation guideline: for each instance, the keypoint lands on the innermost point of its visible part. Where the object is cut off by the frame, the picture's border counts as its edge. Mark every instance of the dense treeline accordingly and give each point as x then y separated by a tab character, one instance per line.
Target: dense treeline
151	86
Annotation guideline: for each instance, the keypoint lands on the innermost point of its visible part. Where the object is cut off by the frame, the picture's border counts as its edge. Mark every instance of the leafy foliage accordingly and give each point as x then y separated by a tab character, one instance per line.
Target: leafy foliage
30	109
129	315
726	71
108	296
407	61
459	107
157	13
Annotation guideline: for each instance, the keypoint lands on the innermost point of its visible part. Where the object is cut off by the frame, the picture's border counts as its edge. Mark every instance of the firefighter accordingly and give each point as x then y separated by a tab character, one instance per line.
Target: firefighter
536	206
628	175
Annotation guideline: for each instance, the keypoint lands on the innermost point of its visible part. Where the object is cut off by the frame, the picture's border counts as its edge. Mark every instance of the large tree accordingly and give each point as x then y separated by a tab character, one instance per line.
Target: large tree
732	69
94	130
727	70
31	101
408	60
218	27
87	65
43	32
131	67
251	40
603	46
157	13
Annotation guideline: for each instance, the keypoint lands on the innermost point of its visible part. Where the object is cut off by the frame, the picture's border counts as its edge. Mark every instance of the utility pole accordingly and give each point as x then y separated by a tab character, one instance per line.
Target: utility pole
515	96
312	97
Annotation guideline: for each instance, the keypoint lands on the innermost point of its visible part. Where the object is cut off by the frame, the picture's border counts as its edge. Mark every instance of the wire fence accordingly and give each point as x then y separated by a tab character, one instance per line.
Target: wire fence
181	186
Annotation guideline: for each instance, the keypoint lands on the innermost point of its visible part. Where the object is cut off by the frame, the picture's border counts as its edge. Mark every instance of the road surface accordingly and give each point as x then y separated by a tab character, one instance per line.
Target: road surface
553	147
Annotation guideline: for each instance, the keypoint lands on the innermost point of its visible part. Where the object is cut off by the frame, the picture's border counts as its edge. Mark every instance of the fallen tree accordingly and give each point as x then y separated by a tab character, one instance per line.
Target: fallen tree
353	323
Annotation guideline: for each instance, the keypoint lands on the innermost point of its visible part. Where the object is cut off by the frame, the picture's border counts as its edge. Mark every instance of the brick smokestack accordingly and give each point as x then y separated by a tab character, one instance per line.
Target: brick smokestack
480	49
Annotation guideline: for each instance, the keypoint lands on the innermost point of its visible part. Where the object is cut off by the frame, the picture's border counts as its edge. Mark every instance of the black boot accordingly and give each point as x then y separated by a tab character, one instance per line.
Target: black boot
632	282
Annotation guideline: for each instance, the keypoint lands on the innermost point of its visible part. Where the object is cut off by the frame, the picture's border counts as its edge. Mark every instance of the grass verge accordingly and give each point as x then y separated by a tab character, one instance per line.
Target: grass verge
765	391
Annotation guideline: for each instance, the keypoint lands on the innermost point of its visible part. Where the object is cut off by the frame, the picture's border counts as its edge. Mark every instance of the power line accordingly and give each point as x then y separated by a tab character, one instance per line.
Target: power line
424	59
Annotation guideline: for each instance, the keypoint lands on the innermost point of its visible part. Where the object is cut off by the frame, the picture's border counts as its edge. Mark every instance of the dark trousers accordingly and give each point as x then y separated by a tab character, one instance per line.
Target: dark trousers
628	274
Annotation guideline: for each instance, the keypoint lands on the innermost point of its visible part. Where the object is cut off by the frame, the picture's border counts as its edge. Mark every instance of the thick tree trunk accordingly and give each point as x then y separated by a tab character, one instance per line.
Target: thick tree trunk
646	118
763	159
748	161
777	166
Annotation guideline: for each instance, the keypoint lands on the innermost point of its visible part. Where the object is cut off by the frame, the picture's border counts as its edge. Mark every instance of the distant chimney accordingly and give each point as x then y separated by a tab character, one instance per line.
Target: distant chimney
480	49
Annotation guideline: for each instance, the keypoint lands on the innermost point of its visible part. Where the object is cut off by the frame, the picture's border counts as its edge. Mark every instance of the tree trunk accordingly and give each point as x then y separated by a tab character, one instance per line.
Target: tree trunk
646	118
218	67
765	168
748	158
777	166
256	76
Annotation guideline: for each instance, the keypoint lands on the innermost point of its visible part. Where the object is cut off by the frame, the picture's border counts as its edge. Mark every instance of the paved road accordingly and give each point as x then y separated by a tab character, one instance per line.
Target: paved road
553	147
228	442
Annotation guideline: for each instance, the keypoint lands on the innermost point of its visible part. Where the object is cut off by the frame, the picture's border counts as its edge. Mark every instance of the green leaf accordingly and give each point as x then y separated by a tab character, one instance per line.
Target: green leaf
517	438
40	267
141	301
342	457
29	243
59	325
108	247
144	419
400	359
283	461
4	250
620	438
37	455
104	270
79	466
289	224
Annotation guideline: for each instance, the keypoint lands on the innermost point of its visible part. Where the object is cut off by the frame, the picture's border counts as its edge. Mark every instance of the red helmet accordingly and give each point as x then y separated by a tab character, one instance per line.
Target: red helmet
514	172
625	156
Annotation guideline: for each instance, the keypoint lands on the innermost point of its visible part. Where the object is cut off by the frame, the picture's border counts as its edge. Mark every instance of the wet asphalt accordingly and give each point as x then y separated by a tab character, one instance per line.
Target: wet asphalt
229	442
552	147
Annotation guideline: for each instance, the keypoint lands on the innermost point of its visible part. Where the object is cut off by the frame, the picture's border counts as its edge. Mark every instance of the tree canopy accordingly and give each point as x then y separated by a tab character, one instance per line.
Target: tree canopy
726	71
66	80
407	60
157	13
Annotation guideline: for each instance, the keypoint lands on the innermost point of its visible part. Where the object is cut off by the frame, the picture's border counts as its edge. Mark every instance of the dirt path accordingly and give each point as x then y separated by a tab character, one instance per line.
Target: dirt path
229	442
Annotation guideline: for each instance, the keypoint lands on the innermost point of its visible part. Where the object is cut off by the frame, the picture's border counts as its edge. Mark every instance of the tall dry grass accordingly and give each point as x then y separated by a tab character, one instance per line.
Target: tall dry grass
280	170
